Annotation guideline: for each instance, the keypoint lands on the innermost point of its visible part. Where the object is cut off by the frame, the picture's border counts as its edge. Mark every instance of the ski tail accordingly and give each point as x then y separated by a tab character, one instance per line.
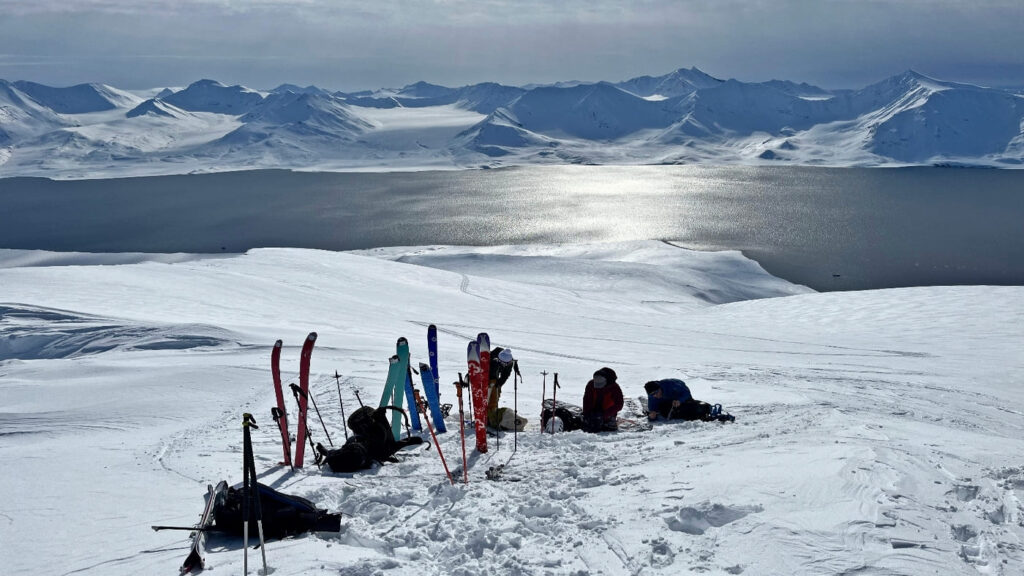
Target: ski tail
434	391
433	401
281	414
410	398
300	439
478	392
398	385
214	497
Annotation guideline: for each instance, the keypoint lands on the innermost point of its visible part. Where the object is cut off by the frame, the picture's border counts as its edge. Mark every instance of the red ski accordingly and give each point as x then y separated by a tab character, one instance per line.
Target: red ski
478	395
300	438
280	414
484	341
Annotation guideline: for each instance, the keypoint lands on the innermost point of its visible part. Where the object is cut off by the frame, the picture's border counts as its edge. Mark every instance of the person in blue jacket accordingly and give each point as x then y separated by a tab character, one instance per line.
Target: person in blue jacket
671	399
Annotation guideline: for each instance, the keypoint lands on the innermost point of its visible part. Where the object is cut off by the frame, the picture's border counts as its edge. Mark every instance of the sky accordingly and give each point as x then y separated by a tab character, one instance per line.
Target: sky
349	46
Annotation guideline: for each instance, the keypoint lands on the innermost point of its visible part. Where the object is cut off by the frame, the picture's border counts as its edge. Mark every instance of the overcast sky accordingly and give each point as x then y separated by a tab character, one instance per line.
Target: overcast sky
349	46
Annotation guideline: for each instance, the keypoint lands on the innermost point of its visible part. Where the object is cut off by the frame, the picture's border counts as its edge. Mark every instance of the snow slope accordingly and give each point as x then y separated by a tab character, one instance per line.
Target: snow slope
877	432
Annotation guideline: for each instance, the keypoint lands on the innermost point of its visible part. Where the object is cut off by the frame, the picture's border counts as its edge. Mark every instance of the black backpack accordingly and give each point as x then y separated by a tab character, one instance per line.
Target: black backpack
570	415
372	442
282	514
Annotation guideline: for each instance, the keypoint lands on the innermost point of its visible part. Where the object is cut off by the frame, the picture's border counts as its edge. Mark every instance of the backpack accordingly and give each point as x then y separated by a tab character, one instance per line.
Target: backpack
570	415
372	442
282	514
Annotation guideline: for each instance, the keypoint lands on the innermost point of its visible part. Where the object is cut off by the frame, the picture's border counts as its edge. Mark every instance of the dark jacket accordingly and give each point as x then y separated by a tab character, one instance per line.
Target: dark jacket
498	374
671	389
605	401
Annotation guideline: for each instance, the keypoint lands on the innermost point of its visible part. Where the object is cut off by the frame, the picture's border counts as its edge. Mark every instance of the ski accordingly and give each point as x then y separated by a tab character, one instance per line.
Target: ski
281	414
300	438
478	394
394	386
433	388
410	397
195	561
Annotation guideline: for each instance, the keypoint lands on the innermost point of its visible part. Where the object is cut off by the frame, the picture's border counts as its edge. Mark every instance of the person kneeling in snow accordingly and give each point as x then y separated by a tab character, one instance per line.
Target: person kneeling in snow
671	399
602	401
502	366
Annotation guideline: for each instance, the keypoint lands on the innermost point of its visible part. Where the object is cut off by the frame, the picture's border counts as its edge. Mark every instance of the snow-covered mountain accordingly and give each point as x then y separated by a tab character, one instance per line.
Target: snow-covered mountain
79	99
22	117
212	96
678	83
686	116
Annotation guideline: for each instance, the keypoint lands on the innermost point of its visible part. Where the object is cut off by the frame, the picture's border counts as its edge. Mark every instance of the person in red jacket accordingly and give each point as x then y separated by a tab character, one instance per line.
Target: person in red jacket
602	401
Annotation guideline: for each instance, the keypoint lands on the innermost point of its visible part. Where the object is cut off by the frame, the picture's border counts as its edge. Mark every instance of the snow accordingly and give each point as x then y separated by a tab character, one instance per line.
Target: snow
877	432
685	116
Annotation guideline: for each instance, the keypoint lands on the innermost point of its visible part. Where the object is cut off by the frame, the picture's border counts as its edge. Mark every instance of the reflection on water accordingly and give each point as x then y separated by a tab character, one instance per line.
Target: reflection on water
826	228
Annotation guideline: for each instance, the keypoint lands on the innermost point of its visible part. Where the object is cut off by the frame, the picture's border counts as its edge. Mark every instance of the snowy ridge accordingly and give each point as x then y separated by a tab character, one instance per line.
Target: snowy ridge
877	432
686	116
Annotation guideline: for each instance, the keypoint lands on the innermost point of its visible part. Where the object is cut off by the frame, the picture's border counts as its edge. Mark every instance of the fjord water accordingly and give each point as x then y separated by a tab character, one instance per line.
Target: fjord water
827	228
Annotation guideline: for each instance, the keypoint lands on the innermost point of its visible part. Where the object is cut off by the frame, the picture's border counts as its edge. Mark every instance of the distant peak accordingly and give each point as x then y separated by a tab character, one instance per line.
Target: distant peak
205	82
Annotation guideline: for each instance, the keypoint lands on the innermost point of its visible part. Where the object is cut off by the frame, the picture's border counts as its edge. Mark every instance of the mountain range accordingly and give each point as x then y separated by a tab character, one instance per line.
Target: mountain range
684	117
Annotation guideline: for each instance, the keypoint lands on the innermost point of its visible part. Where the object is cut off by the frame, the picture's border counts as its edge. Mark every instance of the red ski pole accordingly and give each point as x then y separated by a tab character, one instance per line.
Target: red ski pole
421	407
462	429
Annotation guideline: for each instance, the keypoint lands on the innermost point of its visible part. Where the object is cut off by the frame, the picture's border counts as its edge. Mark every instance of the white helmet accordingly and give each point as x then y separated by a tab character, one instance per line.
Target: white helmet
554	425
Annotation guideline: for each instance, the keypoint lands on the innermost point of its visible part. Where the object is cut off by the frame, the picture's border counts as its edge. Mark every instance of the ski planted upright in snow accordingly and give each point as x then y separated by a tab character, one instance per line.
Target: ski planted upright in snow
410	397
394	386
433	388
478	394
300	438
280	414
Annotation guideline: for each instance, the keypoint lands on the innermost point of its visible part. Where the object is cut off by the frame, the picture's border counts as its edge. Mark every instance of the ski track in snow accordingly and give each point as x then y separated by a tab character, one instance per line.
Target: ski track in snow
871	437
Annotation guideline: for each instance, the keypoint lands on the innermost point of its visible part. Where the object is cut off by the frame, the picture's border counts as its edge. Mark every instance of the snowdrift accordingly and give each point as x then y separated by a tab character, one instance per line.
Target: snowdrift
877	432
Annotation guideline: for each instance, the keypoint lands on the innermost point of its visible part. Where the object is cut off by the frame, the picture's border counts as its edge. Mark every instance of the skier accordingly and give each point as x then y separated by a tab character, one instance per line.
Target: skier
671	399
602	401
502	366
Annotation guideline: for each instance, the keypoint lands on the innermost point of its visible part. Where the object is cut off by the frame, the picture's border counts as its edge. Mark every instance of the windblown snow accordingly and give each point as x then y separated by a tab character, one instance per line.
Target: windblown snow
686	116
877	432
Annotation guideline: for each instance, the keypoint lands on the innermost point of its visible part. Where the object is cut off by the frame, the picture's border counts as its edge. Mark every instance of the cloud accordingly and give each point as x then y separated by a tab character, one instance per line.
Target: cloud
351	45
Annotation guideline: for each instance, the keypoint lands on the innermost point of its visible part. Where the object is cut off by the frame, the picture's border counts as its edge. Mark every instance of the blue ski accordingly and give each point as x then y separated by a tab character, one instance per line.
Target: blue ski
410	396
433	389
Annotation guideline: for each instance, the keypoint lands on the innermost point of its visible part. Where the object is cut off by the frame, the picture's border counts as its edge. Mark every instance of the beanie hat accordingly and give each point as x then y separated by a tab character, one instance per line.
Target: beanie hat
652	387
604	376
505	357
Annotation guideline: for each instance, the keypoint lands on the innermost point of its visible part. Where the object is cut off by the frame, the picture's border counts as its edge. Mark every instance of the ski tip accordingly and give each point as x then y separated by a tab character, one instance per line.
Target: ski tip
424	367
432	327
402	341
278	344
312	336
393	359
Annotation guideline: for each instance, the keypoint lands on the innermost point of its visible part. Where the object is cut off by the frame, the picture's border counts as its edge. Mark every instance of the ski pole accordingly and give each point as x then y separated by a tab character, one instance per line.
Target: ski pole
543	397
554	402
421	406
280	418
462	429
312	397
189	528
515	407
297	392
337	380
358	399
250	492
